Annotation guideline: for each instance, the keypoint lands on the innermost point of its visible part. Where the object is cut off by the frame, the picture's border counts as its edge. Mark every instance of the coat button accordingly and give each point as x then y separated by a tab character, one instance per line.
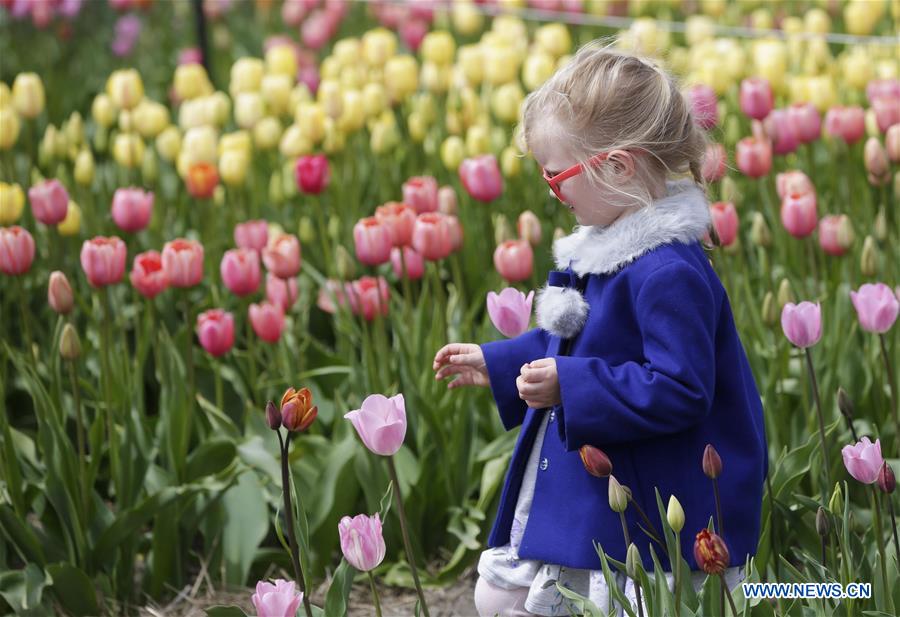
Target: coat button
544	464
552	415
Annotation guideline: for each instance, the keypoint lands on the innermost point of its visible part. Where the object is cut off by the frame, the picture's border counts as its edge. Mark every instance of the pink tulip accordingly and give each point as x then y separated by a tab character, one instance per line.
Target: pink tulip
431	236
412	31
147	274
779	127
835	234
316	30
49	201
481	177
794	181
59	293
421	192
16	250
798	214
278	600
892	143
282	256
380	423
887	111
754	157
312	173
447	201
876	162
411	261
267	320
514	260
704	106
883	88
103	260
282	292
309	77
215	329
847	123
373	241
456	233
132	208
332	295
756	97
252	235
863	460
802	323
190	55
293	12
240	271
510	311
714	162
877	307
725	220
362	542
529	228
183	262
400	218
368	297
806	120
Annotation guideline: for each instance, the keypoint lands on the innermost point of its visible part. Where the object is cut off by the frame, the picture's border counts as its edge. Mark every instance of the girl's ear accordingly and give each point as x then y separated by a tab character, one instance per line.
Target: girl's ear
622	163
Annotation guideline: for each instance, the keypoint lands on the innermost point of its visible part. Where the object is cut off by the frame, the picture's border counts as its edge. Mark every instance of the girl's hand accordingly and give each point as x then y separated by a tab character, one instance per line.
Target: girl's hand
463	359
538	384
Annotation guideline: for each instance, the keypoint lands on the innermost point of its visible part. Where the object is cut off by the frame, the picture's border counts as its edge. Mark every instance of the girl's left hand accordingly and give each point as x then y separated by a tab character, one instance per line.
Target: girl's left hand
538	384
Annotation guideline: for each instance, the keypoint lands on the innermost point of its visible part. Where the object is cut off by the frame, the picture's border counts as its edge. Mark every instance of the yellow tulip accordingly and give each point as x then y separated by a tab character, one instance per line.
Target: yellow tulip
714	8
821	91
150	167
9	127
761	19
438	47
378	45
194	113
330	98
281	60
233	166
103	111
330	68
267	133
276	92
401	77
12	202
817	57
470	106
470	60
238	141
436	77
417	127
699	28
872	129
5	95
478	140
857	68
554	39
28	95
500	65
384	136
712	73
128	150
84	167
218	107
538	68
168	143
125	88
467	20
817	20
311	119
353	114
71	225
770	61
335	139
249	109
506	101
453	151
798	88
246	75
300	94
201	144
510	162
191	82
353	77
74	129
374	99
347	51
453	122
424	105
294	143
150	118
645	36
858	18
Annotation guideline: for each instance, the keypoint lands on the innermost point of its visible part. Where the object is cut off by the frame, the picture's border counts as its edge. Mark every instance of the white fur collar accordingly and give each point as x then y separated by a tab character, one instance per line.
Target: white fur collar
682	216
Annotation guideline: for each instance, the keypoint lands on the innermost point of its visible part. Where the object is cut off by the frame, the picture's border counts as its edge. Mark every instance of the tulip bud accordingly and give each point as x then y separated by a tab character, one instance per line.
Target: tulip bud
897	185
59	293
868	263
712	462
618	498
502	229
84	167
710	552
876	162
344	263
453	151
595	461
632	559
273	416
823	525
769	310
529	227
150	167
675	514
297	410
845	403
785	293
306	231
881	225
70	225
334	229
759	231
69	343
887	482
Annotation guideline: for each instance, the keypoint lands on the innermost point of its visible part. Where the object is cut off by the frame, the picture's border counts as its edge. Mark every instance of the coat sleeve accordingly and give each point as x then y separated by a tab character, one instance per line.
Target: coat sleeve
504	359
669	391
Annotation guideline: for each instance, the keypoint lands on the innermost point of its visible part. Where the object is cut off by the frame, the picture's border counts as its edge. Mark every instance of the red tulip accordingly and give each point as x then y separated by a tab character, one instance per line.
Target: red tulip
421	192
282	292
267	320
714	162
312	173
754	157
240	271
756	97
806	120
798	214
414	263
725	220
252	235
103	260
282	256
215	329
595	461
202	180
132	208
710	552
712	462
16	250
373	241
49	201
400	218
847	123
369	296
481	177
59	293
514	260
147	274
836	234
704	106
432	236
183	262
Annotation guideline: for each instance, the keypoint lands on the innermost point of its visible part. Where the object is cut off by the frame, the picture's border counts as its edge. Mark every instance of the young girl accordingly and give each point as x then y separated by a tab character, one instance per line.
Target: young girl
636	352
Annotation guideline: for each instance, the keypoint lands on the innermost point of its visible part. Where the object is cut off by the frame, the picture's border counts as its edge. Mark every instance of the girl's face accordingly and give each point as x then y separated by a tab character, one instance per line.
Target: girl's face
590	205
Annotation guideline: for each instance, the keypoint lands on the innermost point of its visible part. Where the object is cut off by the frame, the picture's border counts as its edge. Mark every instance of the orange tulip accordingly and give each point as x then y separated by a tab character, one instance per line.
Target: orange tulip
297	410
202	179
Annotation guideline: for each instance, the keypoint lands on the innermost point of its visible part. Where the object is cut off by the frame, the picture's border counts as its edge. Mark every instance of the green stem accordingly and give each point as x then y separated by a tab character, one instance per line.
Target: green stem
893	526
403	528
251	359
374	594
217	376
651	530
879	537
893	383
79	435
637	585
26	319
285	444
189	362
721	527
727	593
821	417
677	575
107	385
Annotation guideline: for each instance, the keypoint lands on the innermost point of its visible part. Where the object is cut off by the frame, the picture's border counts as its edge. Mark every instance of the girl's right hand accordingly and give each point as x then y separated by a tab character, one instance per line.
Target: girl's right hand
463	359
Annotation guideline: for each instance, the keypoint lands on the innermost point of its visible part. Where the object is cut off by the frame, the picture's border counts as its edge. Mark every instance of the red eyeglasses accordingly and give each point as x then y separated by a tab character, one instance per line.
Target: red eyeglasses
574	170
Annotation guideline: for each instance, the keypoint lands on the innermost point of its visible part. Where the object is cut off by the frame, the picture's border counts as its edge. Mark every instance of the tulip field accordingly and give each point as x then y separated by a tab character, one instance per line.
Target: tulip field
235	233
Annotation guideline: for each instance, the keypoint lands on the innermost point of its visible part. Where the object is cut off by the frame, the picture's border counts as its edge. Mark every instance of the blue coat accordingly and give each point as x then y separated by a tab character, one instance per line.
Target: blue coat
654	372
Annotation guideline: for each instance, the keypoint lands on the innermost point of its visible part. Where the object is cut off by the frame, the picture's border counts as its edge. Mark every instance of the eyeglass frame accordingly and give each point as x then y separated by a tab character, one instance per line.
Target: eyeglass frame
574	170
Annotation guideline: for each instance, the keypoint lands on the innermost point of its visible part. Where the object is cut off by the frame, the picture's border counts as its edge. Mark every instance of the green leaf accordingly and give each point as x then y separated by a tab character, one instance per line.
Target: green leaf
225	611
22	589
21	536
209	458
74	589
246	525
339	592
385	504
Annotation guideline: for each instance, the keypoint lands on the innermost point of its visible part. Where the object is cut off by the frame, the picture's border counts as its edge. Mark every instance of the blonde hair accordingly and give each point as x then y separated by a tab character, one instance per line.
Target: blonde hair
611	99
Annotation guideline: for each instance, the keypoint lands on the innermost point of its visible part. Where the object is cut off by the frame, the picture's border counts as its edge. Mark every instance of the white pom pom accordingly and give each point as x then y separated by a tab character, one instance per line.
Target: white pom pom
561	311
